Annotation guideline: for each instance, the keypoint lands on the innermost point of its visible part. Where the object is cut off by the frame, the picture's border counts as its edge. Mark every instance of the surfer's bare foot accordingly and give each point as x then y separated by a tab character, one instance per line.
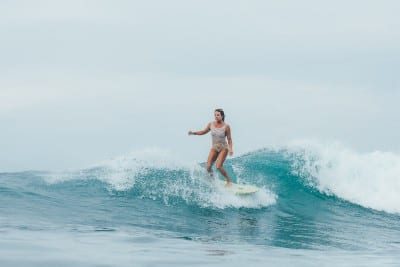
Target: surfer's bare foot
228	183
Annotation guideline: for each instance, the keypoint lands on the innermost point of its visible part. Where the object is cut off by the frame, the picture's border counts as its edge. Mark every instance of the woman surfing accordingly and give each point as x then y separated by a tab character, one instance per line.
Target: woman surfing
221	143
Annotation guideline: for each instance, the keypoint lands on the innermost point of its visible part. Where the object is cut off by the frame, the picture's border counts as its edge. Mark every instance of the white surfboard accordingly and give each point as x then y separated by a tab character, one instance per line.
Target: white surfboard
241	189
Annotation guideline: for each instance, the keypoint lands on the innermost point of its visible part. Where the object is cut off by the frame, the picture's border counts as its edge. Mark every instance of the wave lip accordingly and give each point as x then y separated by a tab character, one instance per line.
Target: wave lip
367	179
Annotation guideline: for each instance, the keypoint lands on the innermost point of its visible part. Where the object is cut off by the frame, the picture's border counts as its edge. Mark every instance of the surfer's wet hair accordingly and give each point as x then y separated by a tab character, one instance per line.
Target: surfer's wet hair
221	111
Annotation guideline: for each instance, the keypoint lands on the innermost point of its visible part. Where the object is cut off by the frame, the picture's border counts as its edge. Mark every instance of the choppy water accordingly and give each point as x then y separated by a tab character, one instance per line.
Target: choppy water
318	206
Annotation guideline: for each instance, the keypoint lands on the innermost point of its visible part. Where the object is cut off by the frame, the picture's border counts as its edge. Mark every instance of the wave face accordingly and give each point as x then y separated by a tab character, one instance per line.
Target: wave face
312	197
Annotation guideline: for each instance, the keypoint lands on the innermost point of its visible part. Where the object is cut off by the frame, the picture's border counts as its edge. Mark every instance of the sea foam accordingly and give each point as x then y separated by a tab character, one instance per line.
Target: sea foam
371	180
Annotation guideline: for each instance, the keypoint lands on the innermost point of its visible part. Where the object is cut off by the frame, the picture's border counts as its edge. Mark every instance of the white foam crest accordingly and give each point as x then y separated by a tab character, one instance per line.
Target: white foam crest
370	179
121	172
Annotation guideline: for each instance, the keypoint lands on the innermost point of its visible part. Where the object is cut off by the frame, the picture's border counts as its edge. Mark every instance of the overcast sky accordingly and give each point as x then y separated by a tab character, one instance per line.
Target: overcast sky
84	81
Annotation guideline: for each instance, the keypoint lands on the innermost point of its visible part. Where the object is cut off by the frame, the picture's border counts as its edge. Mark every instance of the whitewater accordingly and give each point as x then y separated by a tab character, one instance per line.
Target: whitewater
318	205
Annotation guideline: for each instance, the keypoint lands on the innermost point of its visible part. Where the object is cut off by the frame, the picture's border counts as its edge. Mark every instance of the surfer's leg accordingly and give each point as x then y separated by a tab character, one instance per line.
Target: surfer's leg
220	161
212	156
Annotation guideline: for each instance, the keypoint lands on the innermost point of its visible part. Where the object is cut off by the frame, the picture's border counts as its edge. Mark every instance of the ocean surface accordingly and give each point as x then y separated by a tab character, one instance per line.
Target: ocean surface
319	205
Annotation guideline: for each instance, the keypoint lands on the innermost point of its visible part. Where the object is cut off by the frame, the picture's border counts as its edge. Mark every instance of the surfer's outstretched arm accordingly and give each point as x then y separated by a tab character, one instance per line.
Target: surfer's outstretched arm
206	130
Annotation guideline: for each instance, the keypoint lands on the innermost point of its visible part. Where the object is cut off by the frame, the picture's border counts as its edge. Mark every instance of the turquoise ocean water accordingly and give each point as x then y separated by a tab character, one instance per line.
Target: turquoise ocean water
318	206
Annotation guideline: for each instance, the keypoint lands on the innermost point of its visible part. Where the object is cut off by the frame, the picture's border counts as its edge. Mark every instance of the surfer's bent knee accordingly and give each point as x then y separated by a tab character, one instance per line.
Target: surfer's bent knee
220	168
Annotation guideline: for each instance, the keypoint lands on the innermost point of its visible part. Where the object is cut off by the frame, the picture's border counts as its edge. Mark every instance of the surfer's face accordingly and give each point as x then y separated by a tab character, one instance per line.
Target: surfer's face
218	116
